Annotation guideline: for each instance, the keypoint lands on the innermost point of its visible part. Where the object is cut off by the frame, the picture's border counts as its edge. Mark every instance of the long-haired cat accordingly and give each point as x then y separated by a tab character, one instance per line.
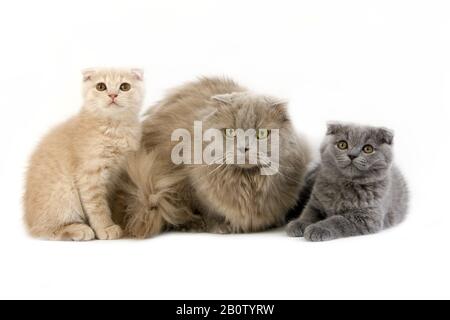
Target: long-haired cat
158	194
75	166
356	189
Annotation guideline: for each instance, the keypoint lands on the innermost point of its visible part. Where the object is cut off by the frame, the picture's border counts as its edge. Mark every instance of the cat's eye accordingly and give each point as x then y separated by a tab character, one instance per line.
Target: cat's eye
230	133
343	145
125	86
368	149
101	86
263	134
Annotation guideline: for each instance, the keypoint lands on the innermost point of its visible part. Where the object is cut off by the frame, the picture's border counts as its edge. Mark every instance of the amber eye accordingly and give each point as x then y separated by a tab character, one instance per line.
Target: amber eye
343	145
368	149
230	133
125	86
101	86
263	134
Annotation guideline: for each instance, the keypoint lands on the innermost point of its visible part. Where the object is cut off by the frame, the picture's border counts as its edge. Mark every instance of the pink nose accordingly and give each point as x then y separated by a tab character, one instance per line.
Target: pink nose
113	96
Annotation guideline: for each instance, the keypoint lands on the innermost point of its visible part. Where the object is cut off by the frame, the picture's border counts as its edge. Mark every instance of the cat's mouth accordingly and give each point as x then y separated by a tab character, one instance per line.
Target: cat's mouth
354	168
114	104
359	166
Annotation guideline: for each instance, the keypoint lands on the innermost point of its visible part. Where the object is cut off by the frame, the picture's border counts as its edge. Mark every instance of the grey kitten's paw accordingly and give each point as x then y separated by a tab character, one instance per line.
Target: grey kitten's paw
296	228
316	233
113	232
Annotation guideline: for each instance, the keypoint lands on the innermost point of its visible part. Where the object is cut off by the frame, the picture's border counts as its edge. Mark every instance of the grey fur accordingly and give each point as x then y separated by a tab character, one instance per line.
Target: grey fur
211	197
353	197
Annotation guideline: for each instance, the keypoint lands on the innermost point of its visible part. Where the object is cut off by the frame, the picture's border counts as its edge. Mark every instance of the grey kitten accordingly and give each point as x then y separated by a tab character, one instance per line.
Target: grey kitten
356	189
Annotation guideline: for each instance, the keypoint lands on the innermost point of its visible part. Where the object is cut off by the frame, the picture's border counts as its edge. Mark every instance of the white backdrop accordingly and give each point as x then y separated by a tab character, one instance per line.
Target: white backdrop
376	62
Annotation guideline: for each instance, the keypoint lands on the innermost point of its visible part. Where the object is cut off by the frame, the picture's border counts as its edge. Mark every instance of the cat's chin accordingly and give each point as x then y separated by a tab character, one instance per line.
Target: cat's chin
247	166
248	169
113	105
354	173
350	171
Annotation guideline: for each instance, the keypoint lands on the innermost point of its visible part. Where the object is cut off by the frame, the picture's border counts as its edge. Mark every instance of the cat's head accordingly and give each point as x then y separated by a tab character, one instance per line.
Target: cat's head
358	151
246	111
109	91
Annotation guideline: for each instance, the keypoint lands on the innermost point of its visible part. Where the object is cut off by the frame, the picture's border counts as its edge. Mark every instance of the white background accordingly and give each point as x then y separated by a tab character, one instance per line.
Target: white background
376	62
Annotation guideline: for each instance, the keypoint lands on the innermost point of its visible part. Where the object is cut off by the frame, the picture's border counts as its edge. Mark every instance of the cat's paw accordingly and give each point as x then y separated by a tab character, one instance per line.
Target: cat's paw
85	234
113	232
221	228
296	228
197	225
317	233
76	232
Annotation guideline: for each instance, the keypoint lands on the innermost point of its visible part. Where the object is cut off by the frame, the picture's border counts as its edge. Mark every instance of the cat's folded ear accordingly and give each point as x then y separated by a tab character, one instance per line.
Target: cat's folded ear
224	98
88	73
279	109
386	136
334	128
138	73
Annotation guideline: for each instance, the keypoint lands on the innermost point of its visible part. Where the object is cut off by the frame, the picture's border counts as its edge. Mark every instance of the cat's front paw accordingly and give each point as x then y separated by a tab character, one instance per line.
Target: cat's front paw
196	225
317	233
222	228
113	232
296	228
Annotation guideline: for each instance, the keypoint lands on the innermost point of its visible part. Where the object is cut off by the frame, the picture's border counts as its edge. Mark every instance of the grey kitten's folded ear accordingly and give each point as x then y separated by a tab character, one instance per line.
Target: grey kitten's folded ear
88	73
334	128
386	135
138	73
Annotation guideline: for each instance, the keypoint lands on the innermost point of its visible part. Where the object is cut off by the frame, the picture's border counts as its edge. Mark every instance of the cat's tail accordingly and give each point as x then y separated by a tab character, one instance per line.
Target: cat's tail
150	196
305	193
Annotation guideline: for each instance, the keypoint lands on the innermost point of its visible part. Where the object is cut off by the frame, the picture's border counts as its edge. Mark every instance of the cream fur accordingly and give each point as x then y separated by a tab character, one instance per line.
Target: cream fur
75	167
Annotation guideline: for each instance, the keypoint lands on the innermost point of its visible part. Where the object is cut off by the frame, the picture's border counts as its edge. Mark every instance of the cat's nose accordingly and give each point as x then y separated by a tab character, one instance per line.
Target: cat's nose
112	96
352	157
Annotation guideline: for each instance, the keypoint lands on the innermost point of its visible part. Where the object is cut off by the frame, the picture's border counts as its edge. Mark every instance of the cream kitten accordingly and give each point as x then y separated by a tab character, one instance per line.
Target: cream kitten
75	166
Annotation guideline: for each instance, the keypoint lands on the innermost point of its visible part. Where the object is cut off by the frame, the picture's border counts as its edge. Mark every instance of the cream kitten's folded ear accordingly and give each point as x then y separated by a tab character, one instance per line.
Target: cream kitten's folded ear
138	73
88	73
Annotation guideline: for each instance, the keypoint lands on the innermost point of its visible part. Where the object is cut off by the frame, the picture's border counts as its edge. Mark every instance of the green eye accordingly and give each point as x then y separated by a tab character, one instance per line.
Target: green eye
230	133
100	86
125	86
343	145
368	149
263	134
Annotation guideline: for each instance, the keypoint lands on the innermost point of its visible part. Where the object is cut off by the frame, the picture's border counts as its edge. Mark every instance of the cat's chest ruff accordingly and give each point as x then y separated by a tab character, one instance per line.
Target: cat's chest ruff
237	192
105	151
241	200
118	140
341	197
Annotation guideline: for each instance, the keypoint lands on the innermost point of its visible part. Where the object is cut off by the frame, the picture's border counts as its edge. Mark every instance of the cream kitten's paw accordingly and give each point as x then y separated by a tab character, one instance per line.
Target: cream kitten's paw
76	232
113	232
